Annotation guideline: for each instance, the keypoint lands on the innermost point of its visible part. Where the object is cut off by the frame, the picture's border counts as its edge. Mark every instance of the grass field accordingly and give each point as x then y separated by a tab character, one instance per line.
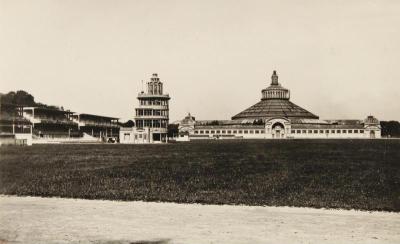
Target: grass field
359	174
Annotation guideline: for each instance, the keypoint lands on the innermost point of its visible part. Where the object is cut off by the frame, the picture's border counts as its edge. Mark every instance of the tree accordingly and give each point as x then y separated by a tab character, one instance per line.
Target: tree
390	128
173	130
214	122
129	123
258	122
23	98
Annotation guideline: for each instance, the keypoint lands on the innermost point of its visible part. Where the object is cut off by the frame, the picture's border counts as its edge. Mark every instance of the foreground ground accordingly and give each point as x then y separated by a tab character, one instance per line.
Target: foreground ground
54	220
358	174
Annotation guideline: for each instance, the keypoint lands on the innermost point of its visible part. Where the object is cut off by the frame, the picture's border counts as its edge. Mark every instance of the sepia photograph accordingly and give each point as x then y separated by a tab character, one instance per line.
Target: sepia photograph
199	122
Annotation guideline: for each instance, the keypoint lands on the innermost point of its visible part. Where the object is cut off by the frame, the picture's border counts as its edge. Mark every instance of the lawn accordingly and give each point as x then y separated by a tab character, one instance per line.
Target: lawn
359	174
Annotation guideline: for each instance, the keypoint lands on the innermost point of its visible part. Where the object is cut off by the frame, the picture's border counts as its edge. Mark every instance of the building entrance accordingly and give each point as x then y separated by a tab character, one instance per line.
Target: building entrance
278	130
156	137
372	134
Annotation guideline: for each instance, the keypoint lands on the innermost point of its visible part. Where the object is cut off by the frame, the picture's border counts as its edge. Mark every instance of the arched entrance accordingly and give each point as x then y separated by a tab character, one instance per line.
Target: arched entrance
372	134
278	130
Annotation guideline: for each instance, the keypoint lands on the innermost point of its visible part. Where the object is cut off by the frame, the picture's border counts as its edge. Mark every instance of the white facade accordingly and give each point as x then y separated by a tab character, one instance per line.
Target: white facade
282	128
134	135
26	137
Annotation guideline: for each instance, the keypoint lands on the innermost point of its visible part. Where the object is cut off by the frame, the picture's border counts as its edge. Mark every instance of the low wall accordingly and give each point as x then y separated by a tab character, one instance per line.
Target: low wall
16	140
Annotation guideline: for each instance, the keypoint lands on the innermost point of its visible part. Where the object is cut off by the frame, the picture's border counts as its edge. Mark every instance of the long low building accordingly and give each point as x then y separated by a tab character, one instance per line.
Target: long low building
276	117
55	124
97	125
51	123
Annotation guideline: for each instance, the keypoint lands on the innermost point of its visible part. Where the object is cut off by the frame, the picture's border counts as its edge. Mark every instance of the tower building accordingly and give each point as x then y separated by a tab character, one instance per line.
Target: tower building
152	113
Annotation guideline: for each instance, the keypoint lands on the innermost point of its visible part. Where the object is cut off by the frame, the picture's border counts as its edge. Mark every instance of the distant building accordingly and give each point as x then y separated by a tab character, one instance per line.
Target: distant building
97	125
275	116
187	124
14	128
51	123
54	125
185	128
151	116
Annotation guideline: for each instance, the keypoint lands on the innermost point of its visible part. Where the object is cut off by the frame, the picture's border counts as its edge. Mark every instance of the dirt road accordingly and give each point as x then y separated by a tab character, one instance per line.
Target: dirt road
55	220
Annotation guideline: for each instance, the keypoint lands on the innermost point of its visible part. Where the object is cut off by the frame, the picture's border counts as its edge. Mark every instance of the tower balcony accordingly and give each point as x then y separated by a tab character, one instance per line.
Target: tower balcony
151	117
151	96
159	107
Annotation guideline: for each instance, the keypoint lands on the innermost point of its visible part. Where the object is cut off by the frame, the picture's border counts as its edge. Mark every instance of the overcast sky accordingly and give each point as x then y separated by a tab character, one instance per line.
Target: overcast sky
340	59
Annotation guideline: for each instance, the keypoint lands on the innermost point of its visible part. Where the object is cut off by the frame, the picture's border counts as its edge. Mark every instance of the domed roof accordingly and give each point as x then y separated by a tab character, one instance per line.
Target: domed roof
275	103
274	108
371	120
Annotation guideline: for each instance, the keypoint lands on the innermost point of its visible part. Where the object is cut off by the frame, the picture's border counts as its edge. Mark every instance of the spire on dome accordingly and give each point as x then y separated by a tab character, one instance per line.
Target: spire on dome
274	79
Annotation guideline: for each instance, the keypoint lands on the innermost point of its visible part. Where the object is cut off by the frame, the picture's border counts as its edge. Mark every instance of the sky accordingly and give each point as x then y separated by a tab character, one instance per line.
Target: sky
340	59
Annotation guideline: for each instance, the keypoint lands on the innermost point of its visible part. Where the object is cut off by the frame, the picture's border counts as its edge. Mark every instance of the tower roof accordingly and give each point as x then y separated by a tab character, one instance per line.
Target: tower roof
275	103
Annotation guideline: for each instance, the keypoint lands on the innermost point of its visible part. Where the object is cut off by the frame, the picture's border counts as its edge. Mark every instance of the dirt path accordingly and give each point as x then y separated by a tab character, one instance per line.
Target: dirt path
55	220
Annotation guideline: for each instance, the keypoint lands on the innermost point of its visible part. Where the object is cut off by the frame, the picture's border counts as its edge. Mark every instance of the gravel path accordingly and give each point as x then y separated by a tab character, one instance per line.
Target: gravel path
55	220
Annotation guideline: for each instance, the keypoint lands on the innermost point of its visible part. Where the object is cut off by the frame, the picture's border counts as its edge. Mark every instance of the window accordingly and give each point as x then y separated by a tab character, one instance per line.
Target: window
333	131
156	124
344	131
321	131
229	132
202	132
251	131
218	132
298	131
315	131
144	136
235	132
212	132
293	131
196	132
136	137
140	123
303	131
262	131
338	131
327	131
361	131
246	132
240	132
207	132
140	135
257	131
350	131
355	131
309	131
223	131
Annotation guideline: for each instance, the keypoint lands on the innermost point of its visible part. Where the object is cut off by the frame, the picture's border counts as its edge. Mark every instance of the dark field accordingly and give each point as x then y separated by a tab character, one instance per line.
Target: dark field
359	174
